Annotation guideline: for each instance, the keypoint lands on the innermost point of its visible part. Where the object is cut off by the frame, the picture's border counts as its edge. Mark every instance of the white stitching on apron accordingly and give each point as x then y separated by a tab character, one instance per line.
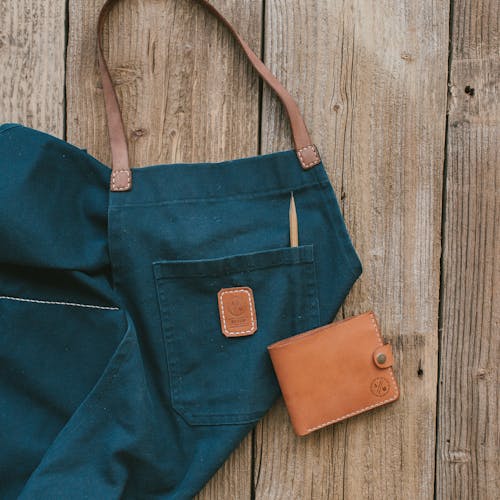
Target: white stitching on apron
50	302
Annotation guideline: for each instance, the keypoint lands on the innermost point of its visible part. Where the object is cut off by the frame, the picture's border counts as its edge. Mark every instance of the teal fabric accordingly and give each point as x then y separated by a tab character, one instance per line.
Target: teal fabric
115	378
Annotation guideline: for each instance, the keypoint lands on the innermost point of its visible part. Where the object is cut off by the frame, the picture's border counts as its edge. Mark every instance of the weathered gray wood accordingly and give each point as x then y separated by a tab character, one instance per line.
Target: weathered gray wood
371	77
32	63
468	445
187	94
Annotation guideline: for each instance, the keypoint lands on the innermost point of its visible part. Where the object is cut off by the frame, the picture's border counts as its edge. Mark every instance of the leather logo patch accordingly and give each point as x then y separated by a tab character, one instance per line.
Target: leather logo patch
380	386
237	311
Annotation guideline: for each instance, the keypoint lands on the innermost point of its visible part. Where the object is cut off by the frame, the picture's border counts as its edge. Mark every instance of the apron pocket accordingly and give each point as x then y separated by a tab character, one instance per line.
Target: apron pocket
216	379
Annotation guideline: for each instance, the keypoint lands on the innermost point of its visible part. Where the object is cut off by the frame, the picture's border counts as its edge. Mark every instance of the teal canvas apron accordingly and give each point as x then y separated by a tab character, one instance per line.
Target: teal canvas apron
117	379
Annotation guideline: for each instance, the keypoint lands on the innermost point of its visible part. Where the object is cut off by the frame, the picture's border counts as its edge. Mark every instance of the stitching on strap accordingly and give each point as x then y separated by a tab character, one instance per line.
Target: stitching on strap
316	160
113	180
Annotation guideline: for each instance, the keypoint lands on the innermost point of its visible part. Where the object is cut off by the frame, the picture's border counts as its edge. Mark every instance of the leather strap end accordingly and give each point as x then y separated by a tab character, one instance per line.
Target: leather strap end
308	156
121	180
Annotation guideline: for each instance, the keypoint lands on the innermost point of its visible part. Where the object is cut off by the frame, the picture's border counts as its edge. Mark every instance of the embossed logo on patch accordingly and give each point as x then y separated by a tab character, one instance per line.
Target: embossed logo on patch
380	386
237	311
236	305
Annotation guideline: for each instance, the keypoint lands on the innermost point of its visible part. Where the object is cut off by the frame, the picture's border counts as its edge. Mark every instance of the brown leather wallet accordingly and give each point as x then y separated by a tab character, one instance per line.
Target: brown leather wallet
334	372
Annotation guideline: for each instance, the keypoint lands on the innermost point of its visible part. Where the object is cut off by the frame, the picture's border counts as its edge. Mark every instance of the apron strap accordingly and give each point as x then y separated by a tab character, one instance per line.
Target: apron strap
121	177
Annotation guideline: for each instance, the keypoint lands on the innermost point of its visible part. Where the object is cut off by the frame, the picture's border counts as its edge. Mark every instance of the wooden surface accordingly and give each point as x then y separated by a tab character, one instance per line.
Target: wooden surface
374	91
468	445
32	64
375	82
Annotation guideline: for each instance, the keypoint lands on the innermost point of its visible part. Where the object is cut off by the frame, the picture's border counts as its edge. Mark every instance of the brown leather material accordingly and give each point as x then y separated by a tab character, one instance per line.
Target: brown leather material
121	180
328	374
121	177
308	156
238	317
307	153
383	357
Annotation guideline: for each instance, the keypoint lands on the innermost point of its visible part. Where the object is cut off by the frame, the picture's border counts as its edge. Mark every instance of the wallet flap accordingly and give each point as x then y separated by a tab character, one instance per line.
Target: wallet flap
330	373
382	356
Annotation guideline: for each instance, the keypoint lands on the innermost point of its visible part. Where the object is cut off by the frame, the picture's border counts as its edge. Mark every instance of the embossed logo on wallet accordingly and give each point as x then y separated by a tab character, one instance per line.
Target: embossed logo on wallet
380	386
237	311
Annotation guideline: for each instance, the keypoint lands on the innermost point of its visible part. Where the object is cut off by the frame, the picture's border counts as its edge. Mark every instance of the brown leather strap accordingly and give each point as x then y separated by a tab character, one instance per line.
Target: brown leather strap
121	177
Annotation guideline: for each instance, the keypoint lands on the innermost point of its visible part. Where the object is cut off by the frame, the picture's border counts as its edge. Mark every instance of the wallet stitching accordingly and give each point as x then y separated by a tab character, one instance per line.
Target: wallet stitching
226	331
380	403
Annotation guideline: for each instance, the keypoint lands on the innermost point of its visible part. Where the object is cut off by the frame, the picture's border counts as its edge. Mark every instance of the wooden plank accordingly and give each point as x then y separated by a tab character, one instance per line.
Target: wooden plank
187	93
32	34
371	77
468	433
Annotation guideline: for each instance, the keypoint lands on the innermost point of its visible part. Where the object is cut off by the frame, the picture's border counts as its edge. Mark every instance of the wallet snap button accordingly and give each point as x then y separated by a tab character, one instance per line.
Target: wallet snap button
382	356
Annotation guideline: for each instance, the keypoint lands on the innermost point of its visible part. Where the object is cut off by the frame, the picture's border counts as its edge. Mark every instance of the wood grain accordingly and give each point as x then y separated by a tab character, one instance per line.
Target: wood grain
468	442
188	94
371	78
32	46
